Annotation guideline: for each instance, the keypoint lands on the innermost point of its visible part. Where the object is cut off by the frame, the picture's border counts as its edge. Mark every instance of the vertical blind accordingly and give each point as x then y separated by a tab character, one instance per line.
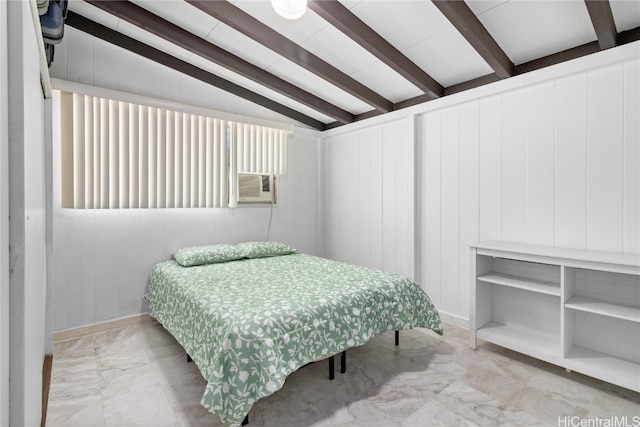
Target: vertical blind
119	154
261	149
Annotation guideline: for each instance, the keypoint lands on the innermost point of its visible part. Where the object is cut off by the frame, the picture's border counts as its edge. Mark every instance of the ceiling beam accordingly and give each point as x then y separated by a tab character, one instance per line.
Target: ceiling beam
107	34
470	84
603	23
246	24
468	24
162	28
629	36
353	27
558	57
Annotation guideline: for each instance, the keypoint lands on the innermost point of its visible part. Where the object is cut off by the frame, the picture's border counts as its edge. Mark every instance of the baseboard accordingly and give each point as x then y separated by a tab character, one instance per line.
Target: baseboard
82	331
46	384
454	320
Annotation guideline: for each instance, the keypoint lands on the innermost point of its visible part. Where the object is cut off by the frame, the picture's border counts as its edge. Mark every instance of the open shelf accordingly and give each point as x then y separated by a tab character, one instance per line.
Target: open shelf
520	283
605	367
576	309
522	339
605	309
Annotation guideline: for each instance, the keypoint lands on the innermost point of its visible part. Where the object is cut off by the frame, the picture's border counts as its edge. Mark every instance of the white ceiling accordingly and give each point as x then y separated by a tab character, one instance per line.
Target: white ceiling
525	30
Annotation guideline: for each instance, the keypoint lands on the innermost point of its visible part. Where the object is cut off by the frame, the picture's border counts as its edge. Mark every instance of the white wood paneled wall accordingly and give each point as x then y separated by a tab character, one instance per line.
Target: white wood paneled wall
102	258
369	197
555	163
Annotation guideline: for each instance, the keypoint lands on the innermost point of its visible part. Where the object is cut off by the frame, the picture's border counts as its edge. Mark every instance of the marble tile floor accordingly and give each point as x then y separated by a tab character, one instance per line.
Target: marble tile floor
138	376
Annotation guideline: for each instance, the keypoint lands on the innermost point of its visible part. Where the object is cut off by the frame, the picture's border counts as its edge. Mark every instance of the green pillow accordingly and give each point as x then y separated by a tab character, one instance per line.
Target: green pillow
264	249
211	254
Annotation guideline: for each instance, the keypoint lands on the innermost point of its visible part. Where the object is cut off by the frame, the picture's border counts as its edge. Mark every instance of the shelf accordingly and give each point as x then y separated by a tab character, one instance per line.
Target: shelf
605	367
574	308
522	339
604	309
520	283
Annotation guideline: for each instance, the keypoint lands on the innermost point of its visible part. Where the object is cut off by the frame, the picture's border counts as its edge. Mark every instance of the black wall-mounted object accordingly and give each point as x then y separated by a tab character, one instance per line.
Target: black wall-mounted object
52	24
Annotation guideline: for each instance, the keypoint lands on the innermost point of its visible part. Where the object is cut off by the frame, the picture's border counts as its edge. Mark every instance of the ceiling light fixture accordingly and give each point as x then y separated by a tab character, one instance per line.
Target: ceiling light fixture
290	9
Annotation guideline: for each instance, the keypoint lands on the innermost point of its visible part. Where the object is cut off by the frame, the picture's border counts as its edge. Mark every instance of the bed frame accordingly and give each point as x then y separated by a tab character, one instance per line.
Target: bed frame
343	367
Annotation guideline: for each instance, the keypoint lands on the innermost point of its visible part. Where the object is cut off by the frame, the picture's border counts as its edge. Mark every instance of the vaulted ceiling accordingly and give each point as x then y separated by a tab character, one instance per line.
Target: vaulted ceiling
347	60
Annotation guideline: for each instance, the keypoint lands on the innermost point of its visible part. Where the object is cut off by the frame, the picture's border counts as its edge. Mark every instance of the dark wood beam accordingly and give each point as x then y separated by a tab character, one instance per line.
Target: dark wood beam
629	36
602	20
344	20
241	21
162	28
468	24
556	58
107	34
470	84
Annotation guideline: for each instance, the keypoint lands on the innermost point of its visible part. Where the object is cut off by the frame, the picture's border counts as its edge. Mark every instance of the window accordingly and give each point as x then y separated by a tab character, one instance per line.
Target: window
119	154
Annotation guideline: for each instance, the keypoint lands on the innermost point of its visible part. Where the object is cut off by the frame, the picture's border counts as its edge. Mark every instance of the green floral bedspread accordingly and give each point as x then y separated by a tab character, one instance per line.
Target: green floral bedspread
248	324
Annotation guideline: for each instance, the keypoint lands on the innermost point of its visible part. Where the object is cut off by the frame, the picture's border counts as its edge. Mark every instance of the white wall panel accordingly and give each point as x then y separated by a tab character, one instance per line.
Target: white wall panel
397	194
631	168
351	211
605	158
105	278
571	162
82	252
490	168
375	139
450	216
469	195
369	197
303	169
390	183
540	164
514	166
365	193
431	206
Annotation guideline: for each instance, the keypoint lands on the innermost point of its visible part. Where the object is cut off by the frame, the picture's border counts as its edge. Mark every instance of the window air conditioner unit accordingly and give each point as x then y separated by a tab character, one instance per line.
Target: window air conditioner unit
256	188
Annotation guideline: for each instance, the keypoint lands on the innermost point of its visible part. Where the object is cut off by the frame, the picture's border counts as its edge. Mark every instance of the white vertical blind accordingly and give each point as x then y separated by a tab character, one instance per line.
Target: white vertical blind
126	155
261	149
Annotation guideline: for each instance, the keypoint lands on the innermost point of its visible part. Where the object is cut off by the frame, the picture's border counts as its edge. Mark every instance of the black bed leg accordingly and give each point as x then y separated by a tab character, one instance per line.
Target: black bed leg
188	358
397	337
245	421
343	362
332	374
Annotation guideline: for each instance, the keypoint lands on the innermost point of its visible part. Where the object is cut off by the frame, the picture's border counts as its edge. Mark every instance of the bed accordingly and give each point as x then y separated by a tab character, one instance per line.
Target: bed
250	314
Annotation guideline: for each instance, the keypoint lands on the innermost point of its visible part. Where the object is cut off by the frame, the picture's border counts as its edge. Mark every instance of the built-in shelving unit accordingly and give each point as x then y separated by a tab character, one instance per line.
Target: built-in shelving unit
577	309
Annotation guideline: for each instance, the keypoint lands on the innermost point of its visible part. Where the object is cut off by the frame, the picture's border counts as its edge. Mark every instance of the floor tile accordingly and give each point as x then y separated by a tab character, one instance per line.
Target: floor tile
139	376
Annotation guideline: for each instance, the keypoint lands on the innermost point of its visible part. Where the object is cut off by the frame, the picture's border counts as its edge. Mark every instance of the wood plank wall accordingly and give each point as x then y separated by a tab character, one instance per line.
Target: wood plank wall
369	197
551	164
554	163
